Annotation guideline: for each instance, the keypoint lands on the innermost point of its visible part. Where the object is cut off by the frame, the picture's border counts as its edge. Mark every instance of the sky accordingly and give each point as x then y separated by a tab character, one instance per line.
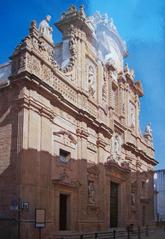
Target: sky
141	23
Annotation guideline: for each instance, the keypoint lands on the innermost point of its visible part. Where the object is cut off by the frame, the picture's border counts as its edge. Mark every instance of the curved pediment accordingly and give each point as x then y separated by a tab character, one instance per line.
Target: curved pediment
110	46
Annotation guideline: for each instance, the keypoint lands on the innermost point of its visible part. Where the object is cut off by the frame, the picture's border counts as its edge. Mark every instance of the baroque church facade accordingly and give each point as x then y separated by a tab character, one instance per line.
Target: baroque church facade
70	141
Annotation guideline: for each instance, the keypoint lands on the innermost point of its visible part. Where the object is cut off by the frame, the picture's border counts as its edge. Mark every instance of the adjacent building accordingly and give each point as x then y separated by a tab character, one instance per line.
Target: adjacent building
70	141
159	187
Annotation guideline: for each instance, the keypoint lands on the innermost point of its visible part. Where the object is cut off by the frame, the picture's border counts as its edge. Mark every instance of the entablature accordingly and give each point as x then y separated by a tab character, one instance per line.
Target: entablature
138	152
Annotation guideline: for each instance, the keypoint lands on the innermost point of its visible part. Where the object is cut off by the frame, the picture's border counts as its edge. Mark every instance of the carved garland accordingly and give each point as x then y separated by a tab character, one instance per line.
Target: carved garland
73	50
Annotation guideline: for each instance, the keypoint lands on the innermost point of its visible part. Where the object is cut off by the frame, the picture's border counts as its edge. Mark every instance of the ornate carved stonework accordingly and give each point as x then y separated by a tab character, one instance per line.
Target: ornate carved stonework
91	81
91	78
68	138
73	50
92	170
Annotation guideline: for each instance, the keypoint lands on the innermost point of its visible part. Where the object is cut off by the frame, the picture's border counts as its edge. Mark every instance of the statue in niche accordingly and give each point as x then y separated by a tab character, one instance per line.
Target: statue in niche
133	192
117	145
104	90
133	200
91	192
45	29
91	81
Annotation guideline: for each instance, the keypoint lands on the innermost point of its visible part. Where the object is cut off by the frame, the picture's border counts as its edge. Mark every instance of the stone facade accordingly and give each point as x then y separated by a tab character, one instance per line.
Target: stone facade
69	131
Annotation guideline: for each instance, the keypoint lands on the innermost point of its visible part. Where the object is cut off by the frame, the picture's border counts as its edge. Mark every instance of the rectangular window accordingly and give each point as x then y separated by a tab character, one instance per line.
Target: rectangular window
64	156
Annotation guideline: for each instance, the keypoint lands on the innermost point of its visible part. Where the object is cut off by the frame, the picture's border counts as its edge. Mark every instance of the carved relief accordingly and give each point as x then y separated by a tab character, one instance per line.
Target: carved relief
46	51
36	66
92	170
47	74
67	137
67	91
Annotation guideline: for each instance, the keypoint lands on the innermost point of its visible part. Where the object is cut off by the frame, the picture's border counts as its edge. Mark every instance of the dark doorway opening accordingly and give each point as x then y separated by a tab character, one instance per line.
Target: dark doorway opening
143	215
114	205
64	212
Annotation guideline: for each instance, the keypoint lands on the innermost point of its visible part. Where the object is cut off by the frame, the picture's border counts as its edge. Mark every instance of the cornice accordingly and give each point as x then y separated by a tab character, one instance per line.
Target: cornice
31	104
138	152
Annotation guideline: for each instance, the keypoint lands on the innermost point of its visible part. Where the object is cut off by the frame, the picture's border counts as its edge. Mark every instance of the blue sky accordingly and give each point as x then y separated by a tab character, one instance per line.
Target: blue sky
140	22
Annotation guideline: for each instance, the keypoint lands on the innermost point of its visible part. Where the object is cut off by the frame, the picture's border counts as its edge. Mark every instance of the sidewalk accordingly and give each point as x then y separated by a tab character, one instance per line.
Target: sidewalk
158	234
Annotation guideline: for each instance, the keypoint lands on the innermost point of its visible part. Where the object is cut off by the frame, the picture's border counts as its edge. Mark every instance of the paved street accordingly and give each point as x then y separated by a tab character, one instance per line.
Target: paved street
158	234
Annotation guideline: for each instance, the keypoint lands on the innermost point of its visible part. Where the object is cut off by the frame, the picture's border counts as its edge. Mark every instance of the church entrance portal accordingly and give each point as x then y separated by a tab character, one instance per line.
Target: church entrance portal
114	205
64	212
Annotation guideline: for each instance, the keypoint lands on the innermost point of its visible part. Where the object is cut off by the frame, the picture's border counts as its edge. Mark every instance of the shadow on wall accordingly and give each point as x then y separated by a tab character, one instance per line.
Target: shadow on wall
33	179
9	177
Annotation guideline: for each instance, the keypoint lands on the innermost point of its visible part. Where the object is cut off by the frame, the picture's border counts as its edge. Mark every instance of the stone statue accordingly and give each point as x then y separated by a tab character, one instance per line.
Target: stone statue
133	193
133	200
104	89
148	130
105	19
126	69
91	192
132	73
117	145
132	117
91	81
45	29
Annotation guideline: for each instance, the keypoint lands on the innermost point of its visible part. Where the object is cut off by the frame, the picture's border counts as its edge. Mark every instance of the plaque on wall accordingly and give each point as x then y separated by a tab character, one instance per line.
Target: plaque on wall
40	218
